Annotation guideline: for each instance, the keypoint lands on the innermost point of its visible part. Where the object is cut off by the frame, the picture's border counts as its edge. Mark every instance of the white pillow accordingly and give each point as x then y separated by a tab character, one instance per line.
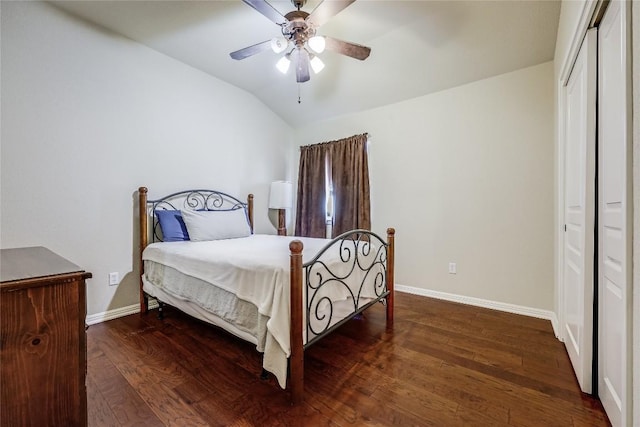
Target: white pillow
216	225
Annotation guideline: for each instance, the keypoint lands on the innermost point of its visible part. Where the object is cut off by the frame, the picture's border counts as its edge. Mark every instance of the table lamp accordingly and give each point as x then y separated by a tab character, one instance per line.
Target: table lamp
280	198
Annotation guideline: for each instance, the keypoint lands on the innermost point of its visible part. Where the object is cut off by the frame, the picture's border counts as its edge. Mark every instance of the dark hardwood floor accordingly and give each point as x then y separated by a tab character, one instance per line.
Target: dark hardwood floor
443	364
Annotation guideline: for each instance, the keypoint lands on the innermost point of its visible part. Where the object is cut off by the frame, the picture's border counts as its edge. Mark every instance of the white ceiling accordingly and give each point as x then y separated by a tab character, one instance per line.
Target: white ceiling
417	47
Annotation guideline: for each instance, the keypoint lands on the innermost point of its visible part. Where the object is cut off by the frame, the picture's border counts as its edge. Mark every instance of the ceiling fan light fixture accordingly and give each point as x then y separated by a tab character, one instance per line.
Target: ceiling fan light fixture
298	29
317	44
279	44
316	64
283	64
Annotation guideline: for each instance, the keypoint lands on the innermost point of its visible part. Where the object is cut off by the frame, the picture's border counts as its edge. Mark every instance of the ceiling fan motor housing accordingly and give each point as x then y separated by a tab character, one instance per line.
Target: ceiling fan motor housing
297	29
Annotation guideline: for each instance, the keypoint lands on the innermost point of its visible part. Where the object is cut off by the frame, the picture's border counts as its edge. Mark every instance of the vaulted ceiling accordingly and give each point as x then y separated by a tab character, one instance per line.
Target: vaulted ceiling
417	47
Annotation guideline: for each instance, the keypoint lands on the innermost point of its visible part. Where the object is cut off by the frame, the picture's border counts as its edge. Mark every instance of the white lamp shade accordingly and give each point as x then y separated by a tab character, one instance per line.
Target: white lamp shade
280	196
317	44
283	64
317	64
279	44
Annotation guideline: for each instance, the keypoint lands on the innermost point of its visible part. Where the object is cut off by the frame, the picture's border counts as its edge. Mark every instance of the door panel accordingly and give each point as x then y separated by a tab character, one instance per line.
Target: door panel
579	211
613	204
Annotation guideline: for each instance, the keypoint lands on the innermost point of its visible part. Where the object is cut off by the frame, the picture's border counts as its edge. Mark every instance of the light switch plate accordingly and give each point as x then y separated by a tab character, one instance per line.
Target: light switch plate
113	279
453	269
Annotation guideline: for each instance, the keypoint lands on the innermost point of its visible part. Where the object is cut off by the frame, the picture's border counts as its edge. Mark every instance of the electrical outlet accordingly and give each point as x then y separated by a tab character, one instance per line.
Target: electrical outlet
113	279
453	269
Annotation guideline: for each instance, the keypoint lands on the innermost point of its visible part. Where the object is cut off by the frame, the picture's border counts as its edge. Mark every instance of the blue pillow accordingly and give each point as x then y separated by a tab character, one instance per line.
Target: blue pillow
172	226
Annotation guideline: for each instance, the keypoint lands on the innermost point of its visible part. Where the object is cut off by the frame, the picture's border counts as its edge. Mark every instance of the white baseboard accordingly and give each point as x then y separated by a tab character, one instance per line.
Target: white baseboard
479	302
117	312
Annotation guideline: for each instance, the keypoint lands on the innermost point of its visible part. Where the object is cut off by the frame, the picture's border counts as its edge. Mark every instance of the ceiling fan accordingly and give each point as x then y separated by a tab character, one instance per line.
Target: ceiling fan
299	37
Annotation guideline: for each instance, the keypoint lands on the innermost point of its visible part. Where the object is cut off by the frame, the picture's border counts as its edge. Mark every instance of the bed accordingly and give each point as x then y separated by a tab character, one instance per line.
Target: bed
262	288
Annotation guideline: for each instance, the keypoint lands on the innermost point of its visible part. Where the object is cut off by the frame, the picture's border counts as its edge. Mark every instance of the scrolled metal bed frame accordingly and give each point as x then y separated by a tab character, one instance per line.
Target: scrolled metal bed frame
360	251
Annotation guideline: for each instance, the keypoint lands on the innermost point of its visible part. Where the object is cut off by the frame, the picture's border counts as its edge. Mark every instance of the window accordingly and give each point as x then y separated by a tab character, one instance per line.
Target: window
333	185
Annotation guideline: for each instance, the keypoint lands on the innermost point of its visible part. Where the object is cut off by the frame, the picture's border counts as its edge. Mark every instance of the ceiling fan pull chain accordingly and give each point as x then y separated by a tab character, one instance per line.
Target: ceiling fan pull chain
299	93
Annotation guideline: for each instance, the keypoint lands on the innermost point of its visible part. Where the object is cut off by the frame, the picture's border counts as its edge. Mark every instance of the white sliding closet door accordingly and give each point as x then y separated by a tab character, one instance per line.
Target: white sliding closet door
579	211
613	219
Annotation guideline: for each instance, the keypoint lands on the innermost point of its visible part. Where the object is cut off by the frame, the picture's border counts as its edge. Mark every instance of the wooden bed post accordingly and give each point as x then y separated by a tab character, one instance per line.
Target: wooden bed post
250	210
390	278
296	360
144	237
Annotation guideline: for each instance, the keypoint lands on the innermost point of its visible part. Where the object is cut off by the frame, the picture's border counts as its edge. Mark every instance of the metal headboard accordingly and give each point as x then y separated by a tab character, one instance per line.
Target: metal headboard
207	200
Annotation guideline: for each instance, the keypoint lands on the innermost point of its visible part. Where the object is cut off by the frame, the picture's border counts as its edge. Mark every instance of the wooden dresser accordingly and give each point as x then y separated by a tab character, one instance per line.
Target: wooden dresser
43	346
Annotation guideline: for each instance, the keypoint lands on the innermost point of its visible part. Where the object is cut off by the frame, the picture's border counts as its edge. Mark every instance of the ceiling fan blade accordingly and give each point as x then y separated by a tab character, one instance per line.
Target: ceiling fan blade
345	48
251	50
267	10
302	66
327	9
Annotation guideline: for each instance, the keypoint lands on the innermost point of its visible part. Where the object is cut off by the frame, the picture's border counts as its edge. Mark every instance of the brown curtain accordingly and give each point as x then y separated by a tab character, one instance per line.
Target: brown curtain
310	212
350	176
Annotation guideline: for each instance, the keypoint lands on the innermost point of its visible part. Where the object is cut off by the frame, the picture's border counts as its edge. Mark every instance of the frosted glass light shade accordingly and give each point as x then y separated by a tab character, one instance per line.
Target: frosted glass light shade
317	64
280	196
283	64
279	44
317	44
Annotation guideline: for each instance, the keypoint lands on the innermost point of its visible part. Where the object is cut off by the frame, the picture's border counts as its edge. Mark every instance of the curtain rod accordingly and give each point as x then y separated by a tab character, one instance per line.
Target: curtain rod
366	135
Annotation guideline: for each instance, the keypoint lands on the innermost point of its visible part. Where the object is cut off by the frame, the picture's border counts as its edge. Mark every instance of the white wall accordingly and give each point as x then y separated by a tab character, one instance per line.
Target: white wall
89	116
465	175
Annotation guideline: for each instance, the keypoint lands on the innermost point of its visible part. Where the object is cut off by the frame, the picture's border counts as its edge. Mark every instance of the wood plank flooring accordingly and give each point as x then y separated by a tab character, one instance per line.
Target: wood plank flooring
443	364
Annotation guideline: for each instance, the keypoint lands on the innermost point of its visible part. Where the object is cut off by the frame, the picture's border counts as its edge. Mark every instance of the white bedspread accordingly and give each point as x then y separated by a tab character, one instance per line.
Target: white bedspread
255	269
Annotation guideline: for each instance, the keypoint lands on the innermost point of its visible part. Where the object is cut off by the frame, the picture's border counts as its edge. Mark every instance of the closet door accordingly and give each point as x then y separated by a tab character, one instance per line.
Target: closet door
579	211
613	219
